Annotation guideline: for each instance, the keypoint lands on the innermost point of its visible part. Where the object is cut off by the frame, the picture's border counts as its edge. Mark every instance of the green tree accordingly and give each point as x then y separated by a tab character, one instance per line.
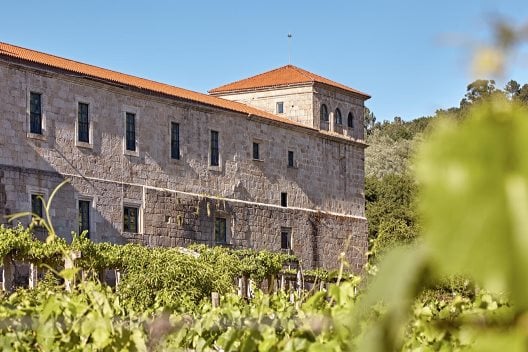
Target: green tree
512	88
478	90
391	206
369	121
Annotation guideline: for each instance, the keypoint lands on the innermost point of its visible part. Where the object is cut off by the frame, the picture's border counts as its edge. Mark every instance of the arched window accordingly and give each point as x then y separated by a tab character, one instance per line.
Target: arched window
350	120
337	117
324	113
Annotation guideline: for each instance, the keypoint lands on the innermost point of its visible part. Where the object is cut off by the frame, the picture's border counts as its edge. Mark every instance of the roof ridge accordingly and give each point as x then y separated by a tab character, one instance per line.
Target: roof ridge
304	72
247	78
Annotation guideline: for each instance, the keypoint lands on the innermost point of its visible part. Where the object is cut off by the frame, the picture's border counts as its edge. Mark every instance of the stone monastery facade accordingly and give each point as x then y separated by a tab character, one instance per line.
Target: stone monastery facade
274	161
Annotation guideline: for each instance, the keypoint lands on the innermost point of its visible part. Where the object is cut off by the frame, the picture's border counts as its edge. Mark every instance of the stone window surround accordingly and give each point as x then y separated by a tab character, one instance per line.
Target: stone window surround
349	126
169	139
174	119
260	142
230	223
220	159
133	110
295	158
279	107
288	230
93	205
40	191
131	203
91	121
43	103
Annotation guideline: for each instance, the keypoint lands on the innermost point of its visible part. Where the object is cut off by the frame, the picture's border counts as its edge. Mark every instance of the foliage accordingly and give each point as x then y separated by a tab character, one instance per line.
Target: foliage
151	277
391	210
91	318
474	200
268	323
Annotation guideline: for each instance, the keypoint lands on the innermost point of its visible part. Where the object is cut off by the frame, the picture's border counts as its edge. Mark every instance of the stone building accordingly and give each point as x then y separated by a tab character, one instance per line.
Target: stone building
275	161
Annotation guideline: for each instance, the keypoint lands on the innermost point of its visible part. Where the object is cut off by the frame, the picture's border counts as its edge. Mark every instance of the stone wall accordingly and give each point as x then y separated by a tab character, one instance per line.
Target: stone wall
327	177
298	101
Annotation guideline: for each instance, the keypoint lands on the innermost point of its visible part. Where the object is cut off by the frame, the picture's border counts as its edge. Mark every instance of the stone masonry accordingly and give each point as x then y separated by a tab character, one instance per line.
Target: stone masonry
178	200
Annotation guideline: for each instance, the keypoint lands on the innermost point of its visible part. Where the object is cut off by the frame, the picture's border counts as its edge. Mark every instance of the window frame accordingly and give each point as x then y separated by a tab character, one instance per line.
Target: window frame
284	199
175	144
85	124
291	159
38	191
225	230
256	151
130	132
350	120
138	218
135	111
80	221
37	197
287	231
338	117
43	131
214	150
279	107
324	114
38	114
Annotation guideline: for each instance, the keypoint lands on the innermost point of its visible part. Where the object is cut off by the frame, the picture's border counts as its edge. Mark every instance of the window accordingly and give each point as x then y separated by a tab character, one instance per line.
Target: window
350	121
256	151
130	219
83	123
36	204
280	107
337	117
84	216
175	140
324	113
130	131
215	157
286	239
290	159
35	113
220	230
284	199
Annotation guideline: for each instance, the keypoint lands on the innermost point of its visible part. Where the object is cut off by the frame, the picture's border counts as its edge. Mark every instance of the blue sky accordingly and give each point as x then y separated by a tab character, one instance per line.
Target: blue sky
412	56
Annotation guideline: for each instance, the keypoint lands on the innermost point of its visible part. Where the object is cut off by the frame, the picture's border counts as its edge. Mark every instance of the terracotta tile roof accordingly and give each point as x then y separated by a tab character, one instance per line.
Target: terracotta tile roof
12	51
280	77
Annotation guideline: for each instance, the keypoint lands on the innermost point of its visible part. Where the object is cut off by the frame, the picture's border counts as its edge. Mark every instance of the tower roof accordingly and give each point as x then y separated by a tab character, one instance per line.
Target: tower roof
282	77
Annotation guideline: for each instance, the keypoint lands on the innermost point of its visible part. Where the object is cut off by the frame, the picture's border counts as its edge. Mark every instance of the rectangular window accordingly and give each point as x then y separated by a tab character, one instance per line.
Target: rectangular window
175	140
130	219
286	239
84	216
83	123
256	151
36	204
35	113
215	160
284	199
130	131
280	107
220	230
290	158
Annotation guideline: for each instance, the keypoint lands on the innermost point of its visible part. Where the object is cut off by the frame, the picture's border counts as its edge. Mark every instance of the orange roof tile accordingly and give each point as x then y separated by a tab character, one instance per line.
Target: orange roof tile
12	51
280	77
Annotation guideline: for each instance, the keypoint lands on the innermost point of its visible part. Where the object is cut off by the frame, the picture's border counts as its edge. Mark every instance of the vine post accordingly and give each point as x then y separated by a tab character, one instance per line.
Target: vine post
7	274
69	264
33	275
